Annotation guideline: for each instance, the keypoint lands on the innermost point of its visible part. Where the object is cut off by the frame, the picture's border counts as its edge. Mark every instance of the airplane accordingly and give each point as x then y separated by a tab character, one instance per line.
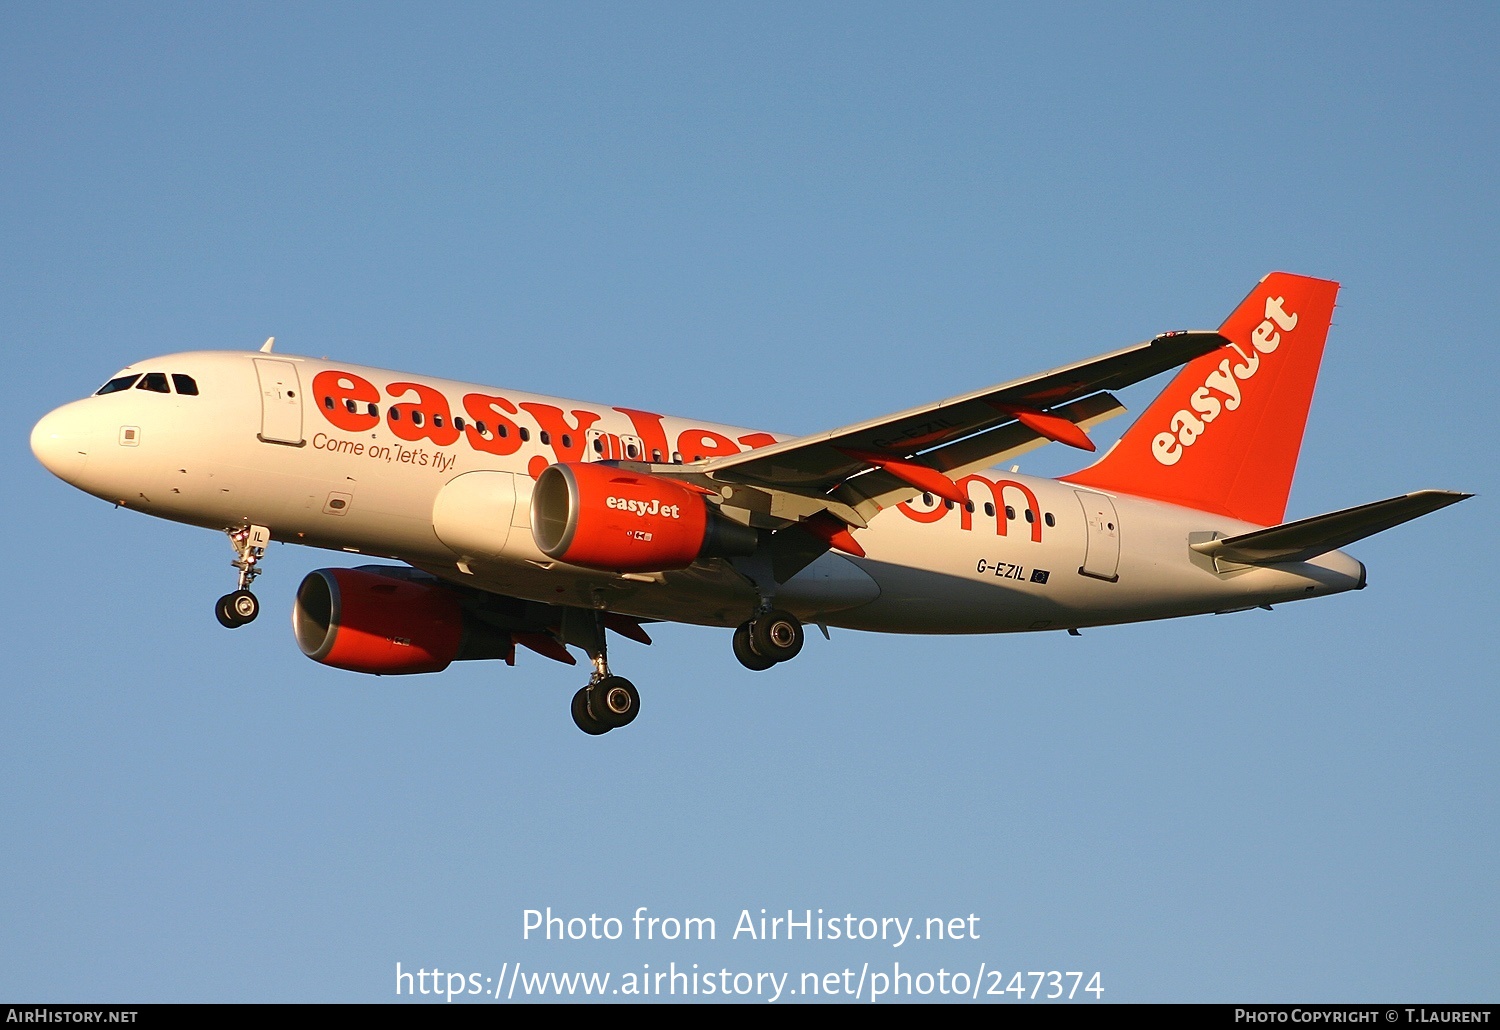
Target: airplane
545	523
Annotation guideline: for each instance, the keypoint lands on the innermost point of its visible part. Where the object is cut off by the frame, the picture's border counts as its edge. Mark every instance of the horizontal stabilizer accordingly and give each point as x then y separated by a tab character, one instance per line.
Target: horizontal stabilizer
1308	538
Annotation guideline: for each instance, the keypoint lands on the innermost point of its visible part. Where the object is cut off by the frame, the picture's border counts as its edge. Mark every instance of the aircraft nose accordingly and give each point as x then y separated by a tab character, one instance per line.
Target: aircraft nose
61	443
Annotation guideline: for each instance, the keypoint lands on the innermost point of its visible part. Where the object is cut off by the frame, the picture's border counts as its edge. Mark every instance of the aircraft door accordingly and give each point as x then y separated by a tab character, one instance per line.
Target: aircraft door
1101	557
280	402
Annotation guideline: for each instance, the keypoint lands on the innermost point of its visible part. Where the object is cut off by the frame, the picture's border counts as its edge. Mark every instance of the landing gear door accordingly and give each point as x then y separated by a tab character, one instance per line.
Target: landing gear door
1101	558
280	402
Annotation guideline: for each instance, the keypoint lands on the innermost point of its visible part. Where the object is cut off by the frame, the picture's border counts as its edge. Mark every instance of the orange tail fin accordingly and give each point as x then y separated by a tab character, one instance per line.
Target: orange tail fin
1224	435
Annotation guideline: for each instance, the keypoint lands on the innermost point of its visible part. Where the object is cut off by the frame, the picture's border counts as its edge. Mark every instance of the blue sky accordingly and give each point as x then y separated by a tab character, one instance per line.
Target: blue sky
790	217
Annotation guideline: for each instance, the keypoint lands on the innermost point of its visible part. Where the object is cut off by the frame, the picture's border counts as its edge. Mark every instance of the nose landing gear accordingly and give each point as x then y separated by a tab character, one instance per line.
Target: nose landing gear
241	606
770	638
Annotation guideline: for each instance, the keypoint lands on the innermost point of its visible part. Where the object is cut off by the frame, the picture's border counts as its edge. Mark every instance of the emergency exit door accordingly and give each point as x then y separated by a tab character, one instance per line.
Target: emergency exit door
1101	557
280	402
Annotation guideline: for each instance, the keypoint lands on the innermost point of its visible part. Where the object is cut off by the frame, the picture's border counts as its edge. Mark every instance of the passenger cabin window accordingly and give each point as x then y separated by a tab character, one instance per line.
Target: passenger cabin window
187	386
117	384
156	382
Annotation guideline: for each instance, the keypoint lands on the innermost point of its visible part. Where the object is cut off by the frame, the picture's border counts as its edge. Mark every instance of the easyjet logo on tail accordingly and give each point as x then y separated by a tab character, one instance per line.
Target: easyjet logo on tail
1186	427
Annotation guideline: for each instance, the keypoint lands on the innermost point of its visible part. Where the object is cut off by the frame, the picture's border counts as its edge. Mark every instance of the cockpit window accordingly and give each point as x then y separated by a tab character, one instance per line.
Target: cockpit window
186	385
156	382
117	384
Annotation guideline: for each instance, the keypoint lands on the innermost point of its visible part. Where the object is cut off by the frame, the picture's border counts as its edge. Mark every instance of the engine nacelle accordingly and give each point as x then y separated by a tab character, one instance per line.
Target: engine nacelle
604	517
365	622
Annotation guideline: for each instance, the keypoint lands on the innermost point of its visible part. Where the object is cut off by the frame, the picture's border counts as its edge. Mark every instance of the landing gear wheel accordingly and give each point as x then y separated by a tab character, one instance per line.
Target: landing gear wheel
236	609
745	651
777	635
613	702
245	605
581	717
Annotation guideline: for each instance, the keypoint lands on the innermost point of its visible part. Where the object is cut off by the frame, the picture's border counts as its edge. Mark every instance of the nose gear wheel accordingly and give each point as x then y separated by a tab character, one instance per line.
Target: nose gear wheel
234	610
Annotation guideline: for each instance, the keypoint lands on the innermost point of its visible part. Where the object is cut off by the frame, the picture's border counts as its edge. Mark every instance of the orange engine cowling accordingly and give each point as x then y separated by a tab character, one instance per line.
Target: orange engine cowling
364	622
603	517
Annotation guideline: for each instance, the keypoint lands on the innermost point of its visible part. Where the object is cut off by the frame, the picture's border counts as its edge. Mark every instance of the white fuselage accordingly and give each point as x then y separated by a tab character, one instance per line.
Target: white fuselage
293	443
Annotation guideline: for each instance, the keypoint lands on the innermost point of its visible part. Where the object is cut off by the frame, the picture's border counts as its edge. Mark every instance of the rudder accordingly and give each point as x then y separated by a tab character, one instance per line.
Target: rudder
1225	433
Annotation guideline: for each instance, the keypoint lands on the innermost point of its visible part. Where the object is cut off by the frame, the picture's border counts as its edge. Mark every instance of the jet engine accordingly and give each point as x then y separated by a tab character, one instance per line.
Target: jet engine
386	622
603	517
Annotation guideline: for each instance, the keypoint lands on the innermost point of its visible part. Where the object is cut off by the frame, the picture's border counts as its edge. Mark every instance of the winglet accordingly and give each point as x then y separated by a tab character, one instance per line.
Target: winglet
265	348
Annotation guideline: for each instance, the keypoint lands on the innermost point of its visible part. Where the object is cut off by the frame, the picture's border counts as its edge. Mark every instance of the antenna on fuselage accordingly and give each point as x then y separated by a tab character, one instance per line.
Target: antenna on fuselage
265	348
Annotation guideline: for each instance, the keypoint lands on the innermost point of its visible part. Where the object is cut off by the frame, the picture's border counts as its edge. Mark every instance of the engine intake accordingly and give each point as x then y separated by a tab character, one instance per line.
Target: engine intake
603	517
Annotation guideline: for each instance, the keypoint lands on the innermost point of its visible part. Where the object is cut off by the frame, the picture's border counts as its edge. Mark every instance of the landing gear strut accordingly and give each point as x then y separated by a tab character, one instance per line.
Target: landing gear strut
237	608
609	701
772	637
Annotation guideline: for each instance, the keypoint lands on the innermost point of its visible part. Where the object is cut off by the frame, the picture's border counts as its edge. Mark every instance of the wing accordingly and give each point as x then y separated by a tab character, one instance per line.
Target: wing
855	471
811	490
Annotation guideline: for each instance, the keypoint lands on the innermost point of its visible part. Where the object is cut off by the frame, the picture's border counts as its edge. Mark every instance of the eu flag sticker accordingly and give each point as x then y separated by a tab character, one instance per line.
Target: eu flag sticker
1039	575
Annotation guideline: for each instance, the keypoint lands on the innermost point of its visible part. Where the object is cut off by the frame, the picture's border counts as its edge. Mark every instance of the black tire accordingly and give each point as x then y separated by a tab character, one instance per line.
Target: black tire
244	605
614	702
745	651
777	635
581	716
226	614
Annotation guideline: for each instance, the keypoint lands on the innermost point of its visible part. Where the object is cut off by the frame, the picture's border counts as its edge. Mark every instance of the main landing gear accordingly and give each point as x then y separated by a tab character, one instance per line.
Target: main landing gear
770	638
237	608
609	701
